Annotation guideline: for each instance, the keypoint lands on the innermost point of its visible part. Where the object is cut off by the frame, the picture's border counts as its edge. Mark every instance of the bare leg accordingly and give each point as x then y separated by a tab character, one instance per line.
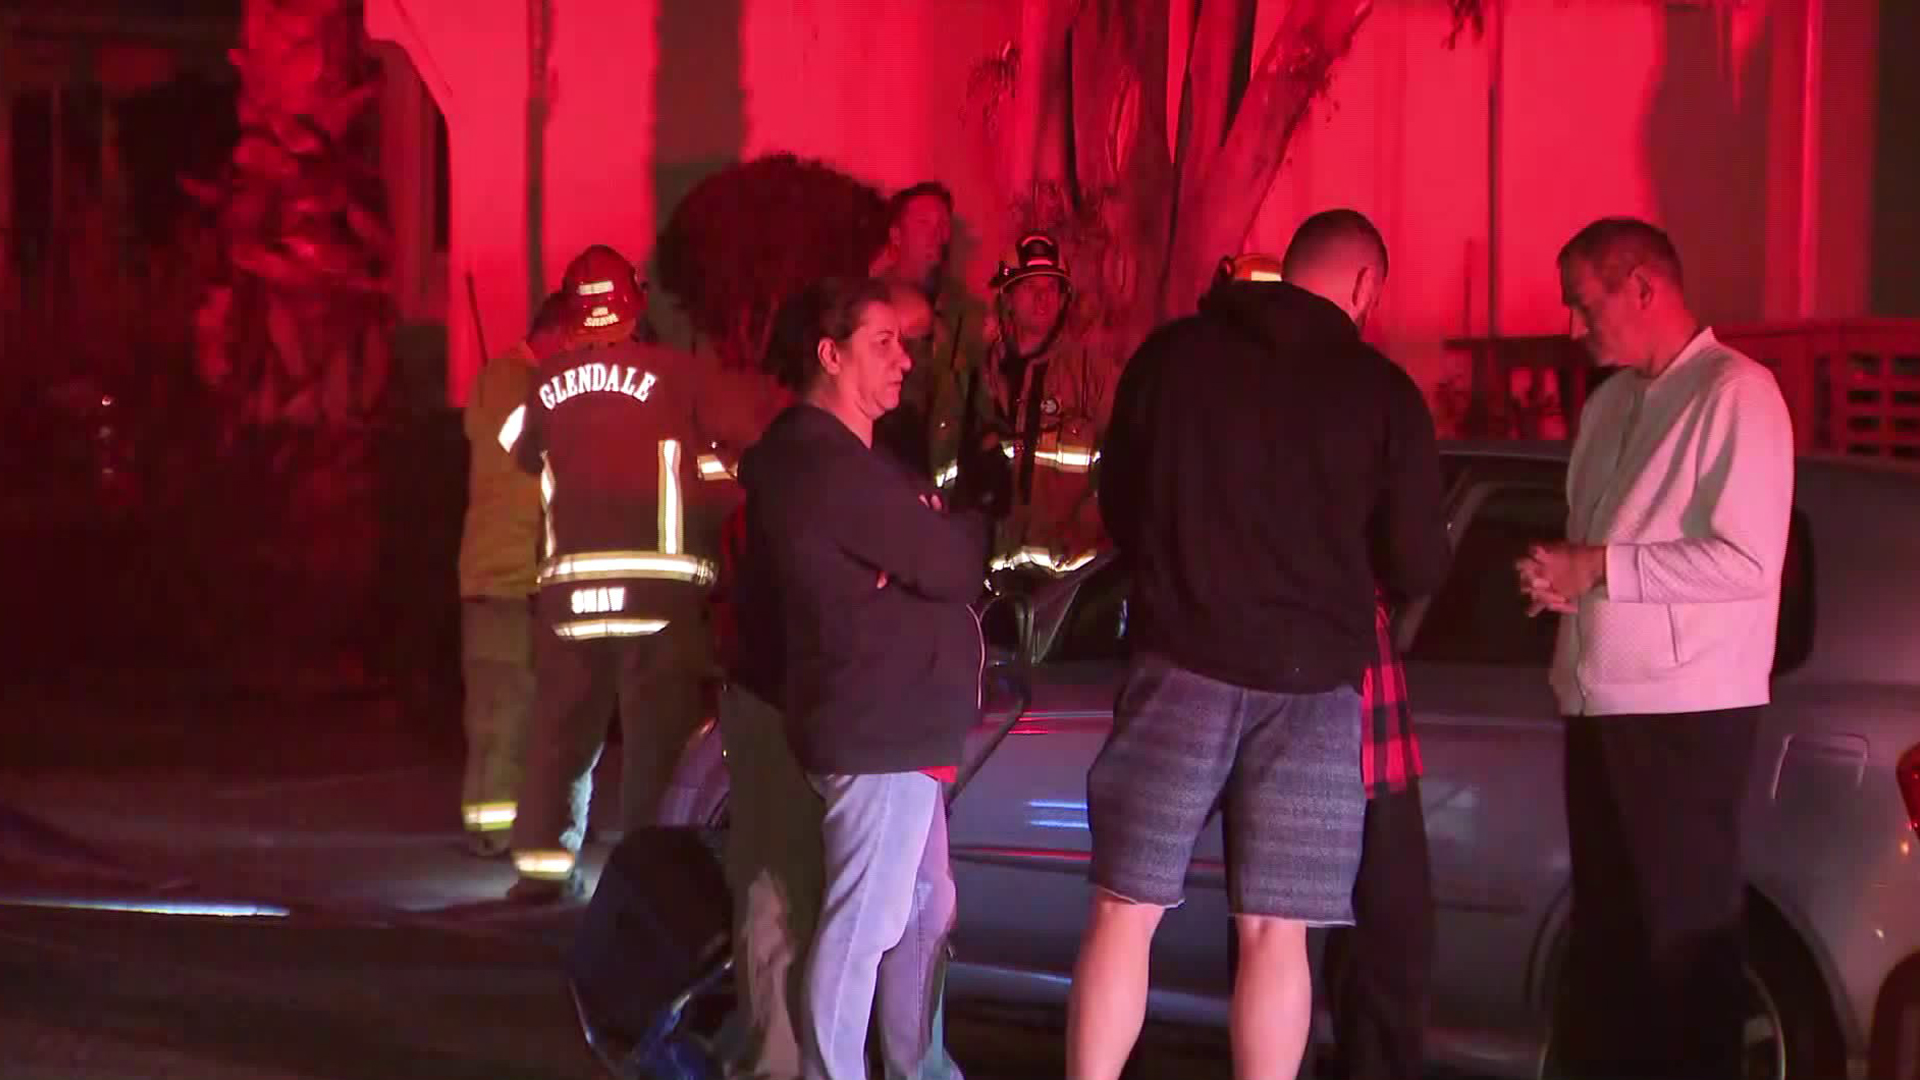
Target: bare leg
1272	998
1109	998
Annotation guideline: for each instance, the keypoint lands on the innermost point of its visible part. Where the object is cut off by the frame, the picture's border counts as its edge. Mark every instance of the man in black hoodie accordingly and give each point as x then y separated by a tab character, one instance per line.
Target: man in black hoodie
1264	468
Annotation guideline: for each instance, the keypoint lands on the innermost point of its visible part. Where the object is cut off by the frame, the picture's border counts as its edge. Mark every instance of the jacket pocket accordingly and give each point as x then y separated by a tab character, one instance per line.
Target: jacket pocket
1701	630
1626	643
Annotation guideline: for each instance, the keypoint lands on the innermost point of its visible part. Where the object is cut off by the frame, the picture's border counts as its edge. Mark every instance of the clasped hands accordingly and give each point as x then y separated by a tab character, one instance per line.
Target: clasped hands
1553	577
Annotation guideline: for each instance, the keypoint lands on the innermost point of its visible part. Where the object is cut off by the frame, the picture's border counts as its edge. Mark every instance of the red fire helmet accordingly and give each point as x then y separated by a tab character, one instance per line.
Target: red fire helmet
1252	266
603	292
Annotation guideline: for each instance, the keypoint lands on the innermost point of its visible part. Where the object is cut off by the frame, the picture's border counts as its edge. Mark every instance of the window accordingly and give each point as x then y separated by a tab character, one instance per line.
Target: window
1000	625
1794	642
1096	625
1478	617
1451	466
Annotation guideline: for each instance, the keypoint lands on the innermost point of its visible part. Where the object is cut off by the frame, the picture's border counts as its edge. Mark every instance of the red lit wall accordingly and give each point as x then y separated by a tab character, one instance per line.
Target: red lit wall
1748	133
1689	117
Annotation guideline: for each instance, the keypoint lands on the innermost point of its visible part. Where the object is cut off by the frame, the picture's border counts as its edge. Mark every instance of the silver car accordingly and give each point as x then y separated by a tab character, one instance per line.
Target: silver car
1832	813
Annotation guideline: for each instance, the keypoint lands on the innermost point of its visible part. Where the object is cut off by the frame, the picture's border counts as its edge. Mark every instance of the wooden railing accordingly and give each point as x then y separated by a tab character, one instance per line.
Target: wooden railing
1852	385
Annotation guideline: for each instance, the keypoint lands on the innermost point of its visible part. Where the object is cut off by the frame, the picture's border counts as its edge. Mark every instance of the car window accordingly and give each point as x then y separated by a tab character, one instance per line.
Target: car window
1451	466
1794	642
1000	626
1096	624
1478	616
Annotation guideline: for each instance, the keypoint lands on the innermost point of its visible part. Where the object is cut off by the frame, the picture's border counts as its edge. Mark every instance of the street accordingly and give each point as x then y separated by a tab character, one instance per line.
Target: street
111	996
364	967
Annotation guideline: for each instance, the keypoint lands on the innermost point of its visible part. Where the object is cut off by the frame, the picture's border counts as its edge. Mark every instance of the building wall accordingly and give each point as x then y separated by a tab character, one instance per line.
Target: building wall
1895	219
1689	116
1684	115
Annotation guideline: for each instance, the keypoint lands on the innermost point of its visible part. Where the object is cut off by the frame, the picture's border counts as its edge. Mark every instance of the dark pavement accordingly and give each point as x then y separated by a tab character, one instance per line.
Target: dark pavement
339	819
94	995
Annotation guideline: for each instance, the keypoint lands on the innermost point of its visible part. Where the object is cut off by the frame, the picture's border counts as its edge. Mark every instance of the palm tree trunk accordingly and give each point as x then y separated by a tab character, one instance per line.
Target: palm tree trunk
1142	226
292	342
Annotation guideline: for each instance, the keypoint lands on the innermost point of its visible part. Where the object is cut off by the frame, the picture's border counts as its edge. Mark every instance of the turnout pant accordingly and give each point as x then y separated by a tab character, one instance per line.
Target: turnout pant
774	871
496	666
654	682
1654	985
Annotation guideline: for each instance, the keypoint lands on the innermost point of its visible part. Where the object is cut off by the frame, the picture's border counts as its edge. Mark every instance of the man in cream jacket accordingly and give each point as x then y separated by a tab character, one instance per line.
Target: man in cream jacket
1678	493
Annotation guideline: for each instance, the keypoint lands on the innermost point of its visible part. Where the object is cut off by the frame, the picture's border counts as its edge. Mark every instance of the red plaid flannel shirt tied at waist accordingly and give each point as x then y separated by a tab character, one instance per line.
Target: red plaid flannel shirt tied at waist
1389	754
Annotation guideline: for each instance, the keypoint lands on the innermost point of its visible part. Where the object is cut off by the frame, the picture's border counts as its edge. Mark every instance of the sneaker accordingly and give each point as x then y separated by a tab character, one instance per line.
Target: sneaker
547	891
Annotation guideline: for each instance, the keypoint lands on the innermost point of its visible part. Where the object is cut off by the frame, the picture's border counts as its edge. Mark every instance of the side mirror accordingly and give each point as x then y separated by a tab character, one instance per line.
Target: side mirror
1007	624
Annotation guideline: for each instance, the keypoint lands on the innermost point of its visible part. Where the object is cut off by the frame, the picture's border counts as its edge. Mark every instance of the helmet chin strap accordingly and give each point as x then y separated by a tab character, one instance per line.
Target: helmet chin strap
1014	355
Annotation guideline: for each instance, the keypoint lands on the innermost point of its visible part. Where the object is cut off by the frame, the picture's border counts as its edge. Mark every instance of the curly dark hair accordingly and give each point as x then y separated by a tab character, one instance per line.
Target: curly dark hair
827	309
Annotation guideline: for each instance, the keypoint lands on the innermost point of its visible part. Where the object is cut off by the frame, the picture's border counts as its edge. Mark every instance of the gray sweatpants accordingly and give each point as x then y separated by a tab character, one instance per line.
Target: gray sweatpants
885	915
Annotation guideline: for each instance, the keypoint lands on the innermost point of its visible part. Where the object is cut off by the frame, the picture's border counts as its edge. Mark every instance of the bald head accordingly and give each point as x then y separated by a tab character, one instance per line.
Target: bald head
1337	240
1339	255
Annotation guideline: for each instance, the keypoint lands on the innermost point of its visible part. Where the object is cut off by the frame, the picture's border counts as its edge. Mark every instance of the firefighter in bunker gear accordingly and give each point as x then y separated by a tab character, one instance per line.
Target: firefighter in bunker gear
608	427
499	559
1252	266
1035	411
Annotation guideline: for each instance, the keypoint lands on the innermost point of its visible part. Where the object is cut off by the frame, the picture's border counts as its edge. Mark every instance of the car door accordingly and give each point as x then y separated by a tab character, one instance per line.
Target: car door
1019	831
1490	738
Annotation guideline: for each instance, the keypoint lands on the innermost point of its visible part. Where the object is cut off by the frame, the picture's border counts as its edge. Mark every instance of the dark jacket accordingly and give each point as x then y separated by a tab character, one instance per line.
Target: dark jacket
1264	466
600	419
610	431
876	680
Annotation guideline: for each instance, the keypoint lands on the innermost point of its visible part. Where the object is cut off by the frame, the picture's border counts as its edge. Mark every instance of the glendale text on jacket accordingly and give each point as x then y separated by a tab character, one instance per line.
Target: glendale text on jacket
588	378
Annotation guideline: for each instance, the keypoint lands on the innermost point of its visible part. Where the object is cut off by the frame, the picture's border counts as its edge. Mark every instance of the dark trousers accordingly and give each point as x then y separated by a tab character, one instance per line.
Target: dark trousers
1653	985
653	681
1379	1002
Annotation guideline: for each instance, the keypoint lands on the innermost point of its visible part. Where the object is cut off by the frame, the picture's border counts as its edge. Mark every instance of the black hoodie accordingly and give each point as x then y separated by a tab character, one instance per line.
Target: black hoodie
1264	468
876	679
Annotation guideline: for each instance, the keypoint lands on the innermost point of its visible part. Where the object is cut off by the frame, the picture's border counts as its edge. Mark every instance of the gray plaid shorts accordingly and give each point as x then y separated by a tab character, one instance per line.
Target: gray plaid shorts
1284	769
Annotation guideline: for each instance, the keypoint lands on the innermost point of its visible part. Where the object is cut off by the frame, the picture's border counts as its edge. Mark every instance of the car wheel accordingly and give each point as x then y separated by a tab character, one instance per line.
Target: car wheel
1790	1032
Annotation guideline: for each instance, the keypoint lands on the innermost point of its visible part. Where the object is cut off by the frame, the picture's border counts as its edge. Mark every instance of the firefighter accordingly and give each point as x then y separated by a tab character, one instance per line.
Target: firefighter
1033	413
1253	266
609	429
499	556
944	340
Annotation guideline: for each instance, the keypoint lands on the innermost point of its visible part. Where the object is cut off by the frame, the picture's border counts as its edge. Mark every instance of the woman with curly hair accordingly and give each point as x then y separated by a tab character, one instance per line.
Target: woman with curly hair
854	623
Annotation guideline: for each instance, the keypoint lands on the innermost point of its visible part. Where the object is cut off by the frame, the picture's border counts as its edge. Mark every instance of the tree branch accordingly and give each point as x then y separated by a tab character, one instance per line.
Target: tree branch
1215	212
1119	92
1036	140
1207	93
1294	70
1123	169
